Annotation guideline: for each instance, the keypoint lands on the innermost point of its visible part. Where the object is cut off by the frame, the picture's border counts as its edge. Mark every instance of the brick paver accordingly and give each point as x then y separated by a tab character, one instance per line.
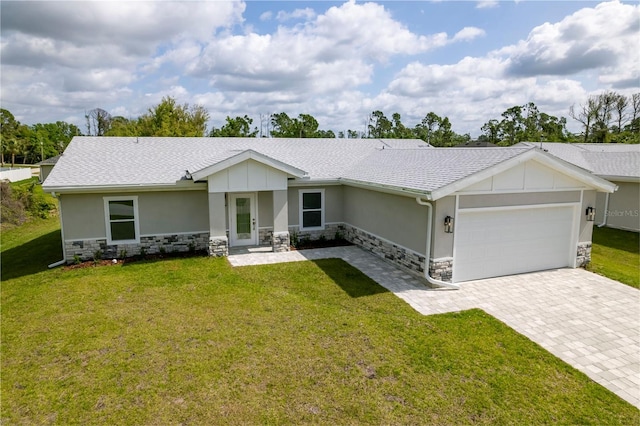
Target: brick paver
588	321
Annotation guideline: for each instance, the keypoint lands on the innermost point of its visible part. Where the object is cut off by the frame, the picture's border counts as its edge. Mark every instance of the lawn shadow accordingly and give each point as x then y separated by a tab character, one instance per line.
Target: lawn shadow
350	279
32	257
617	239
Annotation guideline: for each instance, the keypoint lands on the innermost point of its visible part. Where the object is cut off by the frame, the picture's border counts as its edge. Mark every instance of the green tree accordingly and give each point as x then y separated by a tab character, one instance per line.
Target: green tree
236	127
304	126
121	126
511	126
50	139
379	125
170	119
522	123
399	131
491	131
436	131
8	131
608	117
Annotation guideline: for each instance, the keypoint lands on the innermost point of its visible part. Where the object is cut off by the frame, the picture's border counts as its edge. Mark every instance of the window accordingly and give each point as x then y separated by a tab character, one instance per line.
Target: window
311	209
121	214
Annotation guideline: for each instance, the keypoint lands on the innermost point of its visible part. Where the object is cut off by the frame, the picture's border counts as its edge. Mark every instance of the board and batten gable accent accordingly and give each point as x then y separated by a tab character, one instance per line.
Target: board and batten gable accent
525	177
249	175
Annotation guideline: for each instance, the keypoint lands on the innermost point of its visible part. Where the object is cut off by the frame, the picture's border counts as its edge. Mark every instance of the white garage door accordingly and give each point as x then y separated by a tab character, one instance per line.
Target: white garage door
505	242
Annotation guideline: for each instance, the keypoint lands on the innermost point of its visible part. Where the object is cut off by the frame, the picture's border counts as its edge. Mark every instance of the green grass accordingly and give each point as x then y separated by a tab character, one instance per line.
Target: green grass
615	254
194	341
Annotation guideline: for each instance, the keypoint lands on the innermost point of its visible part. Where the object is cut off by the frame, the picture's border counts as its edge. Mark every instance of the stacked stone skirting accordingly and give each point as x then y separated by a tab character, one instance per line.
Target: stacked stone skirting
398	255
583	255
280	242
441	269
265	236
219	246
330	232
171	243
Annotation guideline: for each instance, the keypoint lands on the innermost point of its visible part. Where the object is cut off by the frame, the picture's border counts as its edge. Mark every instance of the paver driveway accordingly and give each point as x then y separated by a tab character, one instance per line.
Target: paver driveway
589	321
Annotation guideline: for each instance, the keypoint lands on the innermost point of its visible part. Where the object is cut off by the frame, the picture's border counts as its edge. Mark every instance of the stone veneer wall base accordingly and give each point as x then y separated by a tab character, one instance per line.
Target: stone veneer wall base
219	246
281	242
583	255
402	257
174	243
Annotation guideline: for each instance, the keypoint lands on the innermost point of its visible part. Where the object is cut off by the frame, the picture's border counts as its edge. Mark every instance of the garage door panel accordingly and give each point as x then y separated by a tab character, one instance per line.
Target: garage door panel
505	242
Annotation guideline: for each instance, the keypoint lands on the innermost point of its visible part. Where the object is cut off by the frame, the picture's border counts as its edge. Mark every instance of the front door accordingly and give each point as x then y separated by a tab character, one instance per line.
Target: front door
242	218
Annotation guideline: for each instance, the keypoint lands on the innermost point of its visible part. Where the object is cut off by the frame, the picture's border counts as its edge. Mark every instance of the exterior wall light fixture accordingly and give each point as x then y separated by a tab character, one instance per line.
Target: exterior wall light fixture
448	224
591	214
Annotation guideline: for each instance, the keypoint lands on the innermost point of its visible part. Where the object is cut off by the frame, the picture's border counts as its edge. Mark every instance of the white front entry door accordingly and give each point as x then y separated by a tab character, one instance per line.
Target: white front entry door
242	220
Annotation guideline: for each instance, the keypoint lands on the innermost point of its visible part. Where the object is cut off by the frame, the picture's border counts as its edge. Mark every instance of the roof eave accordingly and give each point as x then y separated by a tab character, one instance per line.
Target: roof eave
77	189
632	179
389	189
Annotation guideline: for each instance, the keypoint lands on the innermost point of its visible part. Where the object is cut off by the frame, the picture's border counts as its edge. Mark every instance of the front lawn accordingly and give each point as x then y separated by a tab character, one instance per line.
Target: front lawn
194	341
615	254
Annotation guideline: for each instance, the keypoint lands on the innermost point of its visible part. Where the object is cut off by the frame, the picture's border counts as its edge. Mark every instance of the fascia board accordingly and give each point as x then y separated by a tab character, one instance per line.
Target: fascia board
244	156
192	186
631	179
312	182
388	189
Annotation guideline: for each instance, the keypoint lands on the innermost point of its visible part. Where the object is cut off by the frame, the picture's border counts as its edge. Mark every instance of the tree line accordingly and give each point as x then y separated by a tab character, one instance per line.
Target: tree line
607	117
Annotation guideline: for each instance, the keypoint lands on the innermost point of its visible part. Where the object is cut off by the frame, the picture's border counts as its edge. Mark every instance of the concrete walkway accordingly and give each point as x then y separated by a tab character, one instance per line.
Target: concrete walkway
588	321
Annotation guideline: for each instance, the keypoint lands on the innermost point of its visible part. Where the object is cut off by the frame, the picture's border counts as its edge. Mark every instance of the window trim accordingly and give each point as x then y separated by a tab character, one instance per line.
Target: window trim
301	193
136	219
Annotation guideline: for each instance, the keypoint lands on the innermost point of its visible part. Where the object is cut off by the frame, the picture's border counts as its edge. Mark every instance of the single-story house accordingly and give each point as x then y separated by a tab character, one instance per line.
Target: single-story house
46	166
617	163
447	214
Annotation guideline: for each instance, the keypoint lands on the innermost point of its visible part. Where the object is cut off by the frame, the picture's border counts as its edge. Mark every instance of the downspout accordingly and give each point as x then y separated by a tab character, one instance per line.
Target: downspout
606	209
427	260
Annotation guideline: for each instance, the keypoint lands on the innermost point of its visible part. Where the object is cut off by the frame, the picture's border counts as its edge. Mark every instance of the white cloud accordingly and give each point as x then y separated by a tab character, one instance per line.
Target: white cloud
266	16
468	33
486	4
546	68
305	14
334	52
79	55
63	58
604	38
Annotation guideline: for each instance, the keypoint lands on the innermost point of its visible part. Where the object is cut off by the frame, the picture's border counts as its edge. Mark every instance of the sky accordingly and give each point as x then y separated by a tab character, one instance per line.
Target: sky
338	61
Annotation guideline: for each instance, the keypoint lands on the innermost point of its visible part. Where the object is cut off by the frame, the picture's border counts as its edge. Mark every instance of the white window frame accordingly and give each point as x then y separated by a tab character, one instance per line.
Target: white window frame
136	219
301	193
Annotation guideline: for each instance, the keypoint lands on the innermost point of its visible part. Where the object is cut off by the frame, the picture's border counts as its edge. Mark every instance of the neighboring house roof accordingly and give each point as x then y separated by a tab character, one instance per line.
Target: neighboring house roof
49	161
476	144
607	160
407	165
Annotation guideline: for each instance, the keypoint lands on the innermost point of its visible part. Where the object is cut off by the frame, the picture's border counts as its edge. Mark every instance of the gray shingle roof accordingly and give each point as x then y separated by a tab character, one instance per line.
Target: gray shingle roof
427	170
113	161
408	164
621	160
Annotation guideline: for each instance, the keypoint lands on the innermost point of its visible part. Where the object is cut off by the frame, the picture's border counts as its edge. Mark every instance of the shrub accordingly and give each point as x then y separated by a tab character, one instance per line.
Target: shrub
12	209
34	202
